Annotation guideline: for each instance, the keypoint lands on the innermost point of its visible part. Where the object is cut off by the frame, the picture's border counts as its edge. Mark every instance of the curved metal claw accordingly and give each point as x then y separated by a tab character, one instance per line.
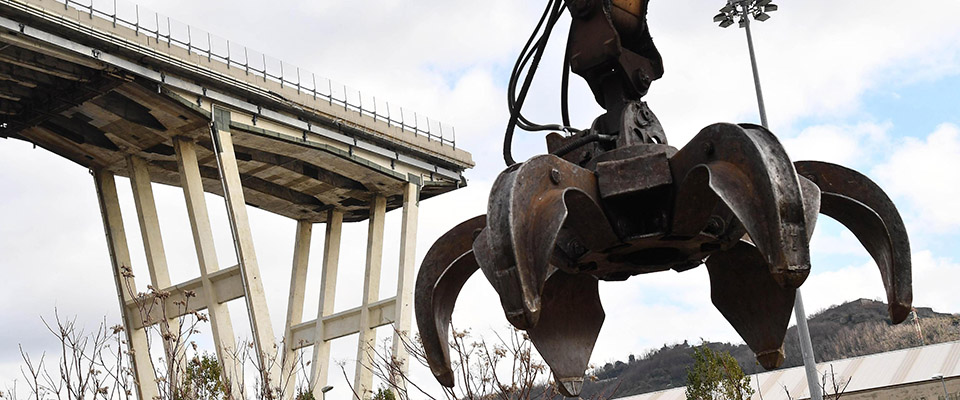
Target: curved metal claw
747	169
859	204
446	267
569	324
528	207
746	293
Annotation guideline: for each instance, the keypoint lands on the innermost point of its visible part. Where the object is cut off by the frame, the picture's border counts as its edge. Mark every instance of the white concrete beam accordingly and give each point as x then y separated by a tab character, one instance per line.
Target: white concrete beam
263	338
220	323
331	258
227	285
137	346
298	284
156	258
344	323
405	277
149	221
363	377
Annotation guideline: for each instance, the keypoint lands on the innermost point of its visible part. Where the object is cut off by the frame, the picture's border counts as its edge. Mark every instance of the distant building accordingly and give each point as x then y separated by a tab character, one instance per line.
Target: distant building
902	375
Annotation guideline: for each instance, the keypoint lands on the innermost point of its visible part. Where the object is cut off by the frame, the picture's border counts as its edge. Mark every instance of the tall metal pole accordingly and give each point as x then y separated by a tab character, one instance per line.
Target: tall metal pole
806	349
806	345
756	74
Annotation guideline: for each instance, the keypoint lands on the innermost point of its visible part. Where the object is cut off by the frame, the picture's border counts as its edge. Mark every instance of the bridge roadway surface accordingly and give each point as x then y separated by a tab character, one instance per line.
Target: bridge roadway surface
96	91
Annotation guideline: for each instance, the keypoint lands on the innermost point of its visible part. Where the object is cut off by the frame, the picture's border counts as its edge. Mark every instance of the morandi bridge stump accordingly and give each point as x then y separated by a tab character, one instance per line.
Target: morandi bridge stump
125	92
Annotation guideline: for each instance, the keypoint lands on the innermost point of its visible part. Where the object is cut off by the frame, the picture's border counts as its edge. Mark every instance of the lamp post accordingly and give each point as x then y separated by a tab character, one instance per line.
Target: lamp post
742	11
324	390
946	395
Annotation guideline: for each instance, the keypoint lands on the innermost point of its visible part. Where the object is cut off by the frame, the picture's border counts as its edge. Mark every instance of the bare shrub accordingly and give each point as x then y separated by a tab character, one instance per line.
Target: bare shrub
505	369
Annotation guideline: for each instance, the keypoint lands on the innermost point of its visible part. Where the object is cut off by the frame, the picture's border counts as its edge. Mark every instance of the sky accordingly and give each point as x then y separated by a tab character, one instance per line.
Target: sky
859	83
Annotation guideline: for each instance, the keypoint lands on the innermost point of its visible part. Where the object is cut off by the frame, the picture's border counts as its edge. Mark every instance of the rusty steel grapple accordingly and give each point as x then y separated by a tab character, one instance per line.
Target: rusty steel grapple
616	200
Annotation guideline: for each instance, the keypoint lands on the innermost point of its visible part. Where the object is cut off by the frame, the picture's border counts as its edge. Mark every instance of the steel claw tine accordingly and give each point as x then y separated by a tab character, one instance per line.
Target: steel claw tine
861	205
446	267
756	305
748	170
811	204
747	295
528	208
570	321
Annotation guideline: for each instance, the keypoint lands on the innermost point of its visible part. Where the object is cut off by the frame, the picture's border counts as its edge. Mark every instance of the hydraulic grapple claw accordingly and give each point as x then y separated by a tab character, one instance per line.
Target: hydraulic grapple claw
744	291
746	168
568	327
446	267
859	204
615	200
529	207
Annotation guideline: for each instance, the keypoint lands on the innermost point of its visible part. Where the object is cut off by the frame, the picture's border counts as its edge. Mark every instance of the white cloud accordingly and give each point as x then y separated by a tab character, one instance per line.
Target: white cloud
921	171
830	238
847	145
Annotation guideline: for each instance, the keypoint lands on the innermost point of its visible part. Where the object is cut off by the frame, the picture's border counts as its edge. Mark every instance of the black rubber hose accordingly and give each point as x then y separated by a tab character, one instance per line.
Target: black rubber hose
564	88
524	89
580	141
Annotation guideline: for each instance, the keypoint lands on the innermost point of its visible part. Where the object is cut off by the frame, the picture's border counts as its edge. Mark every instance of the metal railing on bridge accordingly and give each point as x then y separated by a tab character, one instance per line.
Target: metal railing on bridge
174	33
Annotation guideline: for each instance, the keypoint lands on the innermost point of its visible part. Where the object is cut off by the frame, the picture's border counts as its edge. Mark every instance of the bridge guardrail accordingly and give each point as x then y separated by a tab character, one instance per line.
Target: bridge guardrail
167	30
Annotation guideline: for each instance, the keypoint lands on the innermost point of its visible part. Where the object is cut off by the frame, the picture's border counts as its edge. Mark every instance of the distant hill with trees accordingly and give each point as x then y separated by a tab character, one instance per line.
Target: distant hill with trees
856	328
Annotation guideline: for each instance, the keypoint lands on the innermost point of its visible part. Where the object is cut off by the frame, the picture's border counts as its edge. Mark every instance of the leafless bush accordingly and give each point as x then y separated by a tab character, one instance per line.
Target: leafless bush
90	366
254	383
96	364
833	388
505	369
830	387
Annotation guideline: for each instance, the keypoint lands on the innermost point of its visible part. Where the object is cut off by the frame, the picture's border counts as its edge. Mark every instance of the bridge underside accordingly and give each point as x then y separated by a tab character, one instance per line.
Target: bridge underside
71	106
96	120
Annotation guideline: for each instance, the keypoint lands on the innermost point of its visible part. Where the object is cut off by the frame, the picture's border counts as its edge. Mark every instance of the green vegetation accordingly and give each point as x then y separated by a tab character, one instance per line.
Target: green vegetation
384	394
202	378
716	375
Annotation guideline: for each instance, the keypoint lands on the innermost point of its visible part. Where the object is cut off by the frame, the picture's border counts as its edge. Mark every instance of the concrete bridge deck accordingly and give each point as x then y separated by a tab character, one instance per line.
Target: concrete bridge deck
96	88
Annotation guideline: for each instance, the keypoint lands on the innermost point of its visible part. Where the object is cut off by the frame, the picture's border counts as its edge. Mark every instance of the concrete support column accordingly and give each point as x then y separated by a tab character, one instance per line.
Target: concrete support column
263	339
220	323
363	378
137	345
156	258
298	283
328	289
405	278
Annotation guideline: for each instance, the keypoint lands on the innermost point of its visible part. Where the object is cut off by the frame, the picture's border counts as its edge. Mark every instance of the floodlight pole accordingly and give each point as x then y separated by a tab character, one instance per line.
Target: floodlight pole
756	73
806	349
803	331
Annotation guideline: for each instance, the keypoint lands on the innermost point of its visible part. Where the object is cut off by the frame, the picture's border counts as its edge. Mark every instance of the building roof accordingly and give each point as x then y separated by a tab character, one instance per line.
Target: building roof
873	371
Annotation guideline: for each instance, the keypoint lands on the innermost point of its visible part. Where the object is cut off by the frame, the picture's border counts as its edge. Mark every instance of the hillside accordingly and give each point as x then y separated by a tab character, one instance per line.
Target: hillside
851	329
